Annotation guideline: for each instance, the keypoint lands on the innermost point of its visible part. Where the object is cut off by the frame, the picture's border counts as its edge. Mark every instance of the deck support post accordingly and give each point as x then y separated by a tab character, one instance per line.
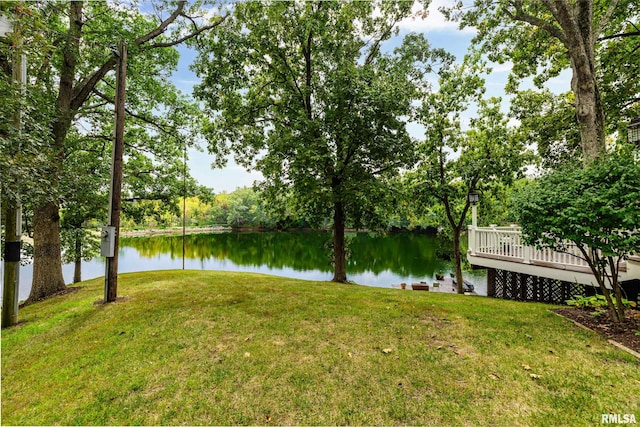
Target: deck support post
491	282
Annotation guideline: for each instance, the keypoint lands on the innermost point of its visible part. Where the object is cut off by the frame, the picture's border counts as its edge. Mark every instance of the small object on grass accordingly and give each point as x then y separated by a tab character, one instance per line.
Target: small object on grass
386	350
534	376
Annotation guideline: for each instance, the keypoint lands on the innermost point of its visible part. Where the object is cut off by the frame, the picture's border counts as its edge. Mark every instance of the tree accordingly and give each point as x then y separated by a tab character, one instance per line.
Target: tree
302	92
85	199
552	35
453	163
596	208
244	208
548	122
75	69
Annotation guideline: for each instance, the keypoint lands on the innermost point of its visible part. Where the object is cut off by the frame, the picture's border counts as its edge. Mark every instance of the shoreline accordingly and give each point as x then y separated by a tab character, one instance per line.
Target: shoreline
149	232
172	231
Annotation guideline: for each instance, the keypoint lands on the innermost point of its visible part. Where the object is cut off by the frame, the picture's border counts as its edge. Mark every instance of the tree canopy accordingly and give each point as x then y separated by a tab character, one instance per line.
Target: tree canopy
304	93
595	39
70	63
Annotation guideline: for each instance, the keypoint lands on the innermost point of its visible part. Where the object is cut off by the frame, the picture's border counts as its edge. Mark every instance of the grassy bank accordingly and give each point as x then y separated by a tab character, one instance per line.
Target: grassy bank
229	348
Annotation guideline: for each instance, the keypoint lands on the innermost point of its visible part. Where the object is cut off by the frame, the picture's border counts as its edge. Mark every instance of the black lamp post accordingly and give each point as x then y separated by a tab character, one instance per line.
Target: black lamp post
633	132
474	197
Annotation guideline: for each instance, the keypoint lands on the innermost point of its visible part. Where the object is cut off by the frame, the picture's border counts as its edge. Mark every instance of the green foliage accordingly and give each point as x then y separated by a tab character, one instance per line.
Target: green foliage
65	142
595	208
26	110
452	163
529	35
596	302
548	121
244	208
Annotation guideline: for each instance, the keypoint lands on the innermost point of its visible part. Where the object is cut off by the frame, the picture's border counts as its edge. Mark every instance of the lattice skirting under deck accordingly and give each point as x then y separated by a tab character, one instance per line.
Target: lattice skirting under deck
523	287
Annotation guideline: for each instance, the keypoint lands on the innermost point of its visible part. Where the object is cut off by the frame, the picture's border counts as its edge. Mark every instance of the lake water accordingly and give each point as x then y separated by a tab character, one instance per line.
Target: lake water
375	260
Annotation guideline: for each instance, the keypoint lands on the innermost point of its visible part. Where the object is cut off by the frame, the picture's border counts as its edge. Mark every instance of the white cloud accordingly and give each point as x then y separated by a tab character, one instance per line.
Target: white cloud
501	68
433	21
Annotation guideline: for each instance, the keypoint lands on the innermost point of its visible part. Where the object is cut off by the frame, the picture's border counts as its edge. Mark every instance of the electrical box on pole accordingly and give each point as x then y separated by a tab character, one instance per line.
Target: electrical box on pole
108	242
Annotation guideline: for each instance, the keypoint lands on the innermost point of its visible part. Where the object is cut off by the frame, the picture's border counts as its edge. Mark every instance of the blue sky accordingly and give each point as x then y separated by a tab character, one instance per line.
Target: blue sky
440	33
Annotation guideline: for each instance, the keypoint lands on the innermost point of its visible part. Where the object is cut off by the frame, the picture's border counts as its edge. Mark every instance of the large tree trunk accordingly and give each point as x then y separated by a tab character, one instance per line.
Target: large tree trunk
575	30
579	39
339	257
589	111
47	261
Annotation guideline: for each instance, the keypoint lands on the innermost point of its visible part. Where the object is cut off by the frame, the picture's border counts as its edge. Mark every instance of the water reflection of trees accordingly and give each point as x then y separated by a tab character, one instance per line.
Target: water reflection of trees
402	253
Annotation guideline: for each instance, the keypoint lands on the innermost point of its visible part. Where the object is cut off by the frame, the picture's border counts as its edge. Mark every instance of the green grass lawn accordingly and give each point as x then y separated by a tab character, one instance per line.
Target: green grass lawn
230	348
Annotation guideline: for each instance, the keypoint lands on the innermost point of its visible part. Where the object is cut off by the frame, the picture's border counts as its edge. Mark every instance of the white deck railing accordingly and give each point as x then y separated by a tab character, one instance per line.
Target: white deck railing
506	242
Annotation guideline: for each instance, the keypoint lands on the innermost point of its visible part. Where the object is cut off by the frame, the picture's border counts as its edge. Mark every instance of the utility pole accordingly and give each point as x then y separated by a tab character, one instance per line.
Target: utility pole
111	268
184	200
13	210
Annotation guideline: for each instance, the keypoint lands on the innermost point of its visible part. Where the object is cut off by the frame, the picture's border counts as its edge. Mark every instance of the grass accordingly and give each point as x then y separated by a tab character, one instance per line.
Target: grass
212	348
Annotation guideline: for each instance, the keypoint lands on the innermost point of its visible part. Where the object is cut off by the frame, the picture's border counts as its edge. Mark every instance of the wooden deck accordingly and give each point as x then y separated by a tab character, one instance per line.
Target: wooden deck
502	248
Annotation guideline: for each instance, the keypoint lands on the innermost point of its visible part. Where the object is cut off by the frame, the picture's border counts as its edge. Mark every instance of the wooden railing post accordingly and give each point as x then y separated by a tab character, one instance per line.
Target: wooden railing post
472	239
526	254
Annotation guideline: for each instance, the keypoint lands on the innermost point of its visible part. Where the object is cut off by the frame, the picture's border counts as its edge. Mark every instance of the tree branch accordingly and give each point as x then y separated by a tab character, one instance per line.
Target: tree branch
376	45
82	91
137	116
620	35
521	16
196	33
163	25
605	19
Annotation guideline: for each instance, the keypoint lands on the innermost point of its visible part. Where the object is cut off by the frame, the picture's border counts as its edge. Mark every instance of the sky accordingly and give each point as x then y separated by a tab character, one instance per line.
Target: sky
439	32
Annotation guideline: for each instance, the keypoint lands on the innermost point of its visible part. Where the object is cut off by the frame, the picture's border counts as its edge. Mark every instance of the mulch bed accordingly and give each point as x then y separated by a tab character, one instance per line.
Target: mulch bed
625	333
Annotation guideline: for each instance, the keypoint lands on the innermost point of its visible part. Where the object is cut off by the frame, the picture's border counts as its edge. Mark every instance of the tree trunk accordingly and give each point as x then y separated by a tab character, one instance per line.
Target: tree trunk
457	260
339	258
576	33
77	269
579	39
47	260
589	112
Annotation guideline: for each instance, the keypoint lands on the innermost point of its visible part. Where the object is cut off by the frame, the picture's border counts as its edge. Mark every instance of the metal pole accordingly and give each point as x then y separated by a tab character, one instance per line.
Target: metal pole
184	200
111	267
13	226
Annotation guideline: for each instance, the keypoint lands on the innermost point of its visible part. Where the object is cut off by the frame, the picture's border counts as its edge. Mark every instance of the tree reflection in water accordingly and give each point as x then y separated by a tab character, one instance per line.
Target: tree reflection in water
403	254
